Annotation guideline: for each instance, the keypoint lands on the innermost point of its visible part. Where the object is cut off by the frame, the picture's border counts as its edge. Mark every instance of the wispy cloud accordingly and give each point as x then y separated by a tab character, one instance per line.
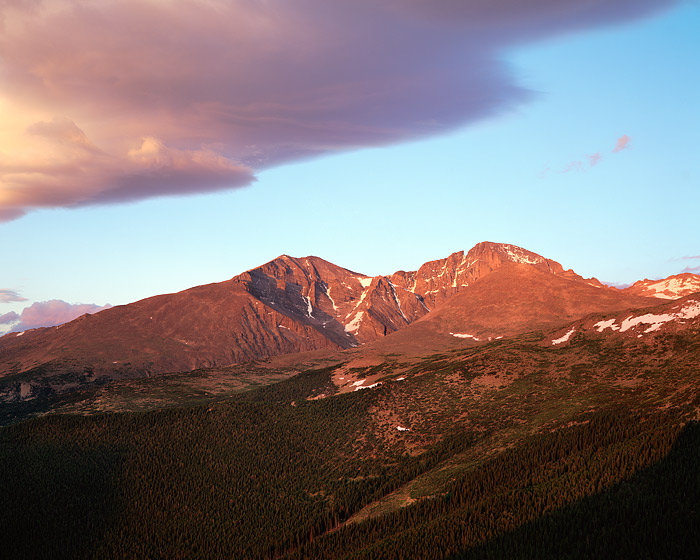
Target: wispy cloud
687	258
591	160
199	96
47	314
622	143
9	296
594	159
573	166
689	268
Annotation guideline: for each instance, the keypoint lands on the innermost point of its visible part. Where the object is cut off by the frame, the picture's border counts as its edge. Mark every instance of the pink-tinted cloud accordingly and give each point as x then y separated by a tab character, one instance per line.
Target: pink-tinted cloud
693	269
594	159
688	258
8	318
105	102
573	166
618	285
622	143
50	313
9	296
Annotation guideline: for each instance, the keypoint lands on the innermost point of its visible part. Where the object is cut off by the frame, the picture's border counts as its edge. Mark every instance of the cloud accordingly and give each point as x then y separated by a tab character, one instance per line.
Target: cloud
110	102
687	258
9	296
594	159
622	143
8	318
48	314
618	285
689	268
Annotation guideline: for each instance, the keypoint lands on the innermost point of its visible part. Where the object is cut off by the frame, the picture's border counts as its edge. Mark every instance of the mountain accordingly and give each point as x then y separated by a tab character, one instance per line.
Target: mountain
514	298
488	405
673	287
292	305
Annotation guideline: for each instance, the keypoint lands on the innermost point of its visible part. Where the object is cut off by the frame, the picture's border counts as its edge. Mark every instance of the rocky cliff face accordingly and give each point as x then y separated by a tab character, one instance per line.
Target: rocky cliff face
345	306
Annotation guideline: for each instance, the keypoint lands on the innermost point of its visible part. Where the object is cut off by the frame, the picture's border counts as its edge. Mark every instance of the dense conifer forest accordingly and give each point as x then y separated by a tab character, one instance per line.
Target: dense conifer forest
271	474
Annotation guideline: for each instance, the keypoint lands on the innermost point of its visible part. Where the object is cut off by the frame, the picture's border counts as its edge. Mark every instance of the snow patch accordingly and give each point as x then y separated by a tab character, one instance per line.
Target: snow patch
402	429
460	335
354	325
309	307
362	298
609	324
328	293
564	338
655	322
518	255
398	303
20	333
283	327
365	281
377	384
400	379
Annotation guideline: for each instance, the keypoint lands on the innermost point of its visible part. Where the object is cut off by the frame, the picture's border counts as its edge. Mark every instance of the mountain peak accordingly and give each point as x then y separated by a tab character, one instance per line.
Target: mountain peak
673	287
498	253
443	278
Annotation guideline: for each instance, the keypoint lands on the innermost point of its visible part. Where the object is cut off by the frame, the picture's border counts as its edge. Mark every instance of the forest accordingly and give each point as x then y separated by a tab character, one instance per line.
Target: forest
272	474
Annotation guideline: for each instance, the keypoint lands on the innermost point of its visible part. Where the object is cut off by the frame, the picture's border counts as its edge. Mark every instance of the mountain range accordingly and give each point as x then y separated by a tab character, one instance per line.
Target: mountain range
291	305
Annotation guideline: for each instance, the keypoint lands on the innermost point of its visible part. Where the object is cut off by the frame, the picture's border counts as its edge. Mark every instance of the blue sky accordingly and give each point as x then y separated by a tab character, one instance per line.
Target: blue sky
508	176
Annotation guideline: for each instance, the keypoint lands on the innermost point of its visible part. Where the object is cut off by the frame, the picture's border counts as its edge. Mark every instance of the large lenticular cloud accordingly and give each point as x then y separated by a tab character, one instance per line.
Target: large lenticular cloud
106	102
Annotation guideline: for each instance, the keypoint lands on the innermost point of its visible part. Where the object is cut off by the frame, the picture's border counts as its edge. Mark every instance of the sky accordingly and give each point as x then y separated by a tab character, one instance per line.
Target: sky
147	147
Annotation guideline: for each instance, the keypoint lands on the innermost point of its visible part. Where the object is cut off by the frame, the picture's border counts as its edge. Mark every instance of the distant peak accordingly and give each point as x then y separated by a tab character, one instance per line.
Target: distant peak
672	287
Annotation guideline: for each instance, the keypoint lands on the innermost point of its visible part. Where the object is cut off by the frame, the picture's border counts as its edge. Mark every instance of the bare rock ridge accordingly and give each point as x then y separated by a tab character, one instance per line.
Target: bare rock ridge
291	305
